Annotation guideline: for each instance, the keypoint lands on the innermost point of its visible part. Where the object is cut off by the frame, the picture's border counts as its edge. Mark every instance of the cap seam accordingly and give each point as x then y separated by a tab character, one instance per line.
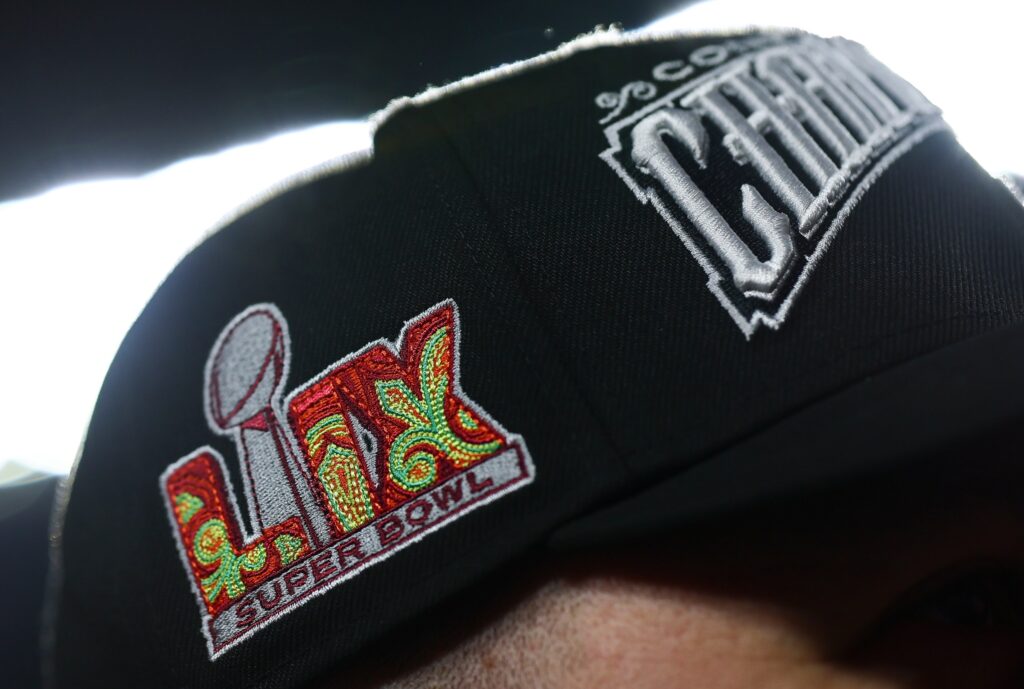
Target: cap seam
713	452
520	280
710	452
598	38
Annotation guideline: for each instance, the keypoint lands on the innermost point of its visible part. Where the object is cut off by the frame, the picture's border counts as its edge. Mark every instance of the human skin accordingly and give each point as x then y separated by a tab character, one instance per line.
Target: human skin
795	623
831	593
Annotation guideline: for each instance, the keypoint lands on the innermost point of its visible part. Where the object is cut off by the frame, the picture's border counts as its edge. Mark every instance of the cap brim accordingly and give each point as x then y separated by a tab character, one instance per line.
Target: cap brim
896	419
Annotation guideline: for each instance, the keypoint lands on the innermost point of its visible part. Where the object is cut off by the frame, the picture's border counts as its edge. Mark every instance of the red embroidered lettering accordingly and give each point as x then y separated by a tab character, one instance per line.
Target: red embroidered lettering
410	398
418	512
477	487
350	549
269	604
208	528
450	493
319	418
303	461
246	613
295	579
322	565
389	529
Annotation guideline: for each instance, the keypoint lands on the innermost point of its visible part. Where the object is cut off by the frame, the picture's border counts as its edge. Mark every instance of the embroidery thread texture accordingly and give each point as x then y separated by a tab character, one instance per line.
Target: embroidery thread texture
803	124
374	453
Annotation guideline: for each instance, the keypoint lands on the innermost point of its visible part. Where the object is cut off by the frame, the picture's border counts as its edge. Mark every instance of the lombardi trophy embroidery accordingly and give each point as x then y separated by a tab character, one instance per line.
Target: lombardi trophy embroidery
378	451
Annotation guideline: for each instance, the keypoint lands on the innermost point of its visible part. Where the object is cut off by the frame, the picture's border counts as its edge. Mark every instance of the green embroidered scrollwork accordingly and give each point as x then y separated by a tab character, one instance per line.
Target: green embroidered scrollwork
322	431
468	421
427	423
186	505
340	472
346	487
213	546
289	547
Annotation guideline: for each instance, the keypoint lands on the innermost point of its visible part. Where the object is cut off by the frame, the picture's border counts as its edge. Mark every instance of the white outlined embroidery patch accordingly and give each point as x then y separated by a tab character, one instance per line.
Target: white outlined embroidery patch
803	126
373	454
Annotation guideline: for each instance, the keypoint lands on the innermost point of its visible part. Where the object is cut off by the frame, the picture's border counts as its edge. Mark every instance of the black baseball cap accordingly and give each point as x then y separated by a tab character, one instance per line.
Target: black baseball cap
569	302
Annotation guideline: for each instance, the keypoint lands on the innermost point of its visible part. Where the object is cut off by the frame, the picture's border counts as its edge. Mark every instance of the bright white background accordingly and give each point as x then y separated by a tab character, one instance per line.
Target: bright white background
78	263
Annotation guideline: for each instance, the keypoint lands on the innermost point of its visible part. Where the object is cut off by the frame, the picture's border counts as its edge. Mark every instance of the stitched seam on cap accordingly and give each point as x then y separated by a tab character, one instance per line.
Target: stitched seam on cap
549	333
273	673
612	37
710	453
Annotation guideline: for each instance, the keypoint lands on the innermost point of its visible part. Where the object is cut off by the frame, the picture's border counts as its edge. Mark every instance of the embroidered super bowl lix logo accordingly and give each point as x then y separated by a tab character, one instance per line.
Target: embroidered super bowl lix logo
756	151
377	451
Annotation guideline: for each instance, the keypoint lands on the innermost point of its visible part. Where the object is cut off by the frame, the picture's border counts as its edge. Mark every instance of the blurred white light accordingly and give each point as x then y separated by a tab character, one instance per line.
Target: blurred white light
964	56
78	263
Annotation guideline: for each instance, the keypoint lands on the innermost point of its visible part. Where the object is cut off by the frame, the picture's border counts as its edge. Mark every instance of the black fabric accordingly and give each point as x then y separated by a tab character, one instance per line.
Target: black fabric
931	255
25	509
586	328
347	260
962	402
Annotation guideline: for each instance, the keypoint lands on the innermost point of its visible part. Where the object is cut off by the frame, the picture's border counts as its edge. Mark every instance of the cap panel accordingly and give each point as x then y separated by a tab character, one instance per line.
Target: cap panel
346	261
945	418
929	252
586	328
